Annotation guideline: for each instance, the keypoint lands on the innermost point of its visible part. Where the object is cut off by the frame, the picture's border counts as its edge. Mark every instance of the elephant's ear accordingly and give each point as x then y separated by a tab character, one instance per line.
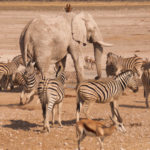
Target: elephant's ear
79	32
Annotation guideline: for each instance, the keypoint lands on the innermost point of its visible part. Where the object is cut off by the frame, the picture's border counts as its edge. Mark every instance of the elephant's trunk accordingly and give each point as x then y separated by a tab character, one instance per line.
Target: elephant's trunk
98	51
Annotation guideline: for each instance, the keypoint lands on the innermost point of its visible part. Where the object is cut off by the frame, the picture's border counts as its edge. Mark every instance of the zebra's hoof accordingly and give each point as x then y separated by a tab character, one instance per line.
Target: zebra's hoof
46	129
60	125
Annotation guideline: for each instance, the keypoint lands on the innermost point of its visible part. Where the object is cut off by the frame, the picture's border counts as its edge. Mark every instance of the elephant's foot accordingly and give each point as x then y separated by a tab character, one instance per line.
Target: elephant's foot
97	78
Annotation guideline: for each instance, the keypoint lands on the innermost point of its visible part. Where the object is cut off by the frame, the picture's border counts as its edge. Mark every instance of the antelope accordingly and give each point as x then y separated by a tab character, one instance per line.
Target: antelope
86	127
92	62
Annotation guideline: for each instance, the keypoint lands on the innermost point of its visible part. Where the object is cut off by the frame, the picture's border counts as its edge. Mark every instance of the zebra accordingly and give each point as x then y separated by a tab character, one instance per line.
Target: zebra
146	81
116	64
18	60
7	70
51	92
28	79
104	91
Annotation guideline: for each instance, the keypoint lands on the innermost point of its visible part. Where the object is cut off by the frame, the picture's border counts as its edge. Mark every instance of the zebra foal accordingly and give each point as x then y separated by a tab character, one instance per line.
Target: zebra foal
116	64
51	92
27	78
104	91
146	81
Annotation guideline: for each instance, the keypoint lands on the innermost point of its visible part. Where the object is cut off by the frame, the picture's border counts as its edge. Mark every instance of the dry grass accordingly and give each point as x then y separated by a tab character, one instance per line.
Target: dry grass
29	4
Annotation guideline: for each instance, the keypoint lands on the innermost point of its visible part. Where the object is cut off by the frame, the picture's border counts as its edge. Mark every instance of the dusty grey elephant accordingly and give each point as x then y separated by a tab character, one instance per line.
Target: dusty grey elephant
47	40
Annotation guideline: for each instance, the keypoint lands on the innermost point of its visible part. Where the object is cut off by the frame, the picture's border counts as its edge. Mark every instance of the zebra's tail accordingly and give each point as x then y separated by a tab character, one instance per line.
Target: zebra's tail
44	109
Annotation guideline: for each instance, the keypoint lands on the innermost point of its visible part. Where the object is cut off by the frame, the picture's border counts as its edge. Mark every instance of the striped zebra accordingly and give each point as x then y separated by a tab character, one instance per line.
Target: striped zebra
18	60
104	91
116	64
8	69
28	79
51	92
146	81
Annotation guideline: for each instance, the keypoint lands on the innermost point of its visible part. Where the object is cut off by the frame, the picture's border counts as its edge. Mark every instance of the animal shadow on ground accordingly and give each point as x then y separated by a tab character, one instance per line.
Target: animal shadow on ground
20	124
68	122
132	106
10	105
18	106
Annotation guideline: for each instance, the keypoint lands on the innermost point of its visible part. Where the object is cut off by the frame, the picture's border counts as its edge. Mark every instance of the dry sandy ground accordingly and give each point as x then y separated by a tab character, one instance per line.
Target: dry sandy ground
20	126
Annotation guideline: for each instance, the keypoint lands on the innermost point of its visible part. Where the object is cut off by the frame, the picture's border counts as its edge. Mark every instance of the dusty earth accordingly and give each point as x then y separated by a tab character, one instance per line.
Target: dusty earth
20	126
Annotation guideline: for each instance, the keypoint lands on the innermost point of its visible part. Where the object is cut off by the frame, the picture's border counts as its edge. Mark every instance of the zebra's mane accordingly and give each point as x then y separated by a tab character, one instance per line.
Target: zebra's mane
120	74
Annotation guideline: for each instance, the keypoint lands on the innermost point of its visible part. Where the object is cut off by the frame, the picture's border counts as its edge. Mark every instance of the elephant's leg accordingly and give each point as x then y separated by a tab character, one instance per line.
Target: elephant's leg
98	51
44	62
63	61
78	62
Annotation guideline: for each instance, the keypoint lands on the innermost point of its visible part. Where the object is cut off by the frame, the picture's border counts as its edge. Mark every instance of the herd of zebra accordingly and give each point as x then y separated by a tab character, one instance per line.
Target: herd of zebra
124	72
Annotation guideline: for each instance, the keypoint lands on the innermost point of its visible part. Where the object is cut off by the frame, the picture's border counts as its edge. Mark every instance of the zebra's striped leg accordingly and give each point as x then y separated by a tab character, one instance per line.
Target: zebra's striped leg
53	115
21	97
113	106
30	97
46	121
59	113
49	109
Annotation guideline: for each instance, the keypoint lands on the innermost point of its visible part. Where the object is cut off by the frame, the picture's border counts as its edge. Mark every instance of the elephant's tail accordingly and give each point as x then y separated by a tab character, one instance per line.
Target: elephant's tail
24	42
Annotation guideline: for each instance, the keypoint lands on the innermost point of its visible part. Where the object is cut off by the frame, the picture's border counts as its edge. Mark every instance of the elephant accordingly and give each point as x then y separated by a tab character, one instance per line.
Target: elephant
47	40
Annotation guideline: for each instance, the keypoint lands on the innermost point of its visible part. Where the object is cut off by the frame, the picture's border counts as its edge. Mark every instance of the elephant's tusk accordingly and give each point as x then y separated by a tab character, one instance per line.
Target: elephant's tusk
105	44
